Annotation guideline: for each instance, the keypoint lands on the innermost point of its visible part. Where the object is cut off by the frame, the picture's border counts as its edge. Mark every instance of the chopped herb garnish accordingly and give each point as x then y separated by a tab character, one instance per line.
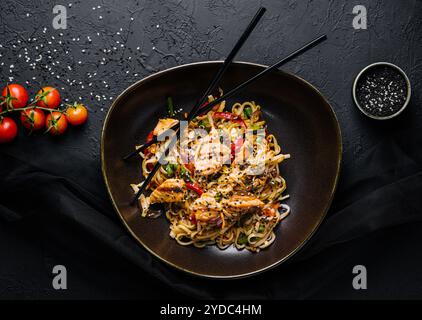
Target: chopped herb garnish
261	228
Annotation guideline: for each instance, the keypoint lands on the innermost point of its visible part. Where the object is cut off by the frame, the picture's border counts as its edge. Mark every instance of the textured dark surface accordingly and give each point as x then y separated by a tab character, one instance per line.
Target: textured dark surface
375	219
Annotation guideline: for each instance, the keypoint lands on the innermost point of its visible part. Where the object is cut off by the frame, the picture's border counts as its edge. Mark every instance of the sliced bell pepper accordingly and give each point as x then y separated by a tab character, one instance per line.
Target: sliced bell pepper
150	136
194	187
236	146
229	116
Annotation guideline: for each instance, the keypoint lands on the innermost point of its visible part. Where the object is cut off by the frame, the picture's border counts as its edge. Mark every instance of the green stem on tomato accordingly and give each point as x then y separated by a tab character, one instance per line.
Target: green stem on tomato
30	106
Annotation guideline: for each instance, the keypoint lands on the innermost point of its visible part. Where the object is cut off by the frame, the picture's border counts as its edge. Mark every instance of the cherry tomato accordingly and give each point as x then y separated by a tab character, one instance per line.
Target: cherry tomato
33	119
56	123
48	97
77	114
8	130
15	96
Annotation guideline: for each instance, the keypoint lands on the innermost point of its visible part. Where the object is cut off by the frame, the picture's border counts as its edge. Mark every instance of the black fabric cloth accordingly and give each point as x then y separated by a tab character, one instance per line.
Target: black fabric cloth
54	208
375	220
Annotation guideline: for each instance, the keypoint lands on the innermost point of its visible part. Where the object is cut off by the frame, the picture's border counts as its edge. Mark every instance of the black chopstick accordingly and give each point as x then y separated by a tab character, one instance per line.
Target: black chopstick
291	56
211	87
209	106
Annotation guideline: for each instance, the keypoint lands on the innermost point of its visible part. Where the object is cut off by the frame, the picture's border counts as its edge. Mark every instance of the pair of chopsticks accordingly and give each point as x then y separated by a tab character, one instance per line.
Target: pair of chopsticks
215	80
200	108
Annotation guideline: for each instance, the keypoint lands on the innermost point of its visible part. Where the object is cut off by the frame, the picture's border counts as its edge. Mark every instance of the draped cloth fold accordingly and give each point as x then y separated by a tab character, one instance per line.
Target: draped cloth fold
374	219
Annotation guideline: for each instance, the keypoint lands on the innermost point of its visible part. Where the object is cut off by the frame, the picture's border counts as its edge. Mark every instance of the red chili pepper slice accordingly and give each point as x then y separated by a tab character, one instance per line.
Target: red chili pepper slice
242	123
230	116
236	146
190	166
194	187
224	115
150	136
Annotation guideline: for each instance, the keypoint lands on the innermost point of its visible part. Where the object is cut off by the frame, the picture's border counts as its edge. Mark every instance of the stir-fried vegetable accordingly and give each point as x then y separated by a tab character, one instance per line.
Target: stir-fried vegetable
243	239
169	168
230	116
204	123
247	112
236	146
185	174
150	136
194	187
170	107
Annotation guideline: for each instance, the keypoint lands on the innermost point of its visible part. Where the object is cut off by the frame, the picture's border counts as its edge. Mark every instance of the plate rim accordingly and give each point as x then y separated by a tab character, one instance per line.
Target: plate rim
203	275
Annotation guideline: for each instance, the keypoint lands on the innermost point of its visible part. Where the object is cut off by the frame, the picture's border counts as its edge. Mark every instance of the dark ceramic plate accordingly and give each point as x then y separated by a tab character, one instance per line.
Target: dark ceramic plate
296	113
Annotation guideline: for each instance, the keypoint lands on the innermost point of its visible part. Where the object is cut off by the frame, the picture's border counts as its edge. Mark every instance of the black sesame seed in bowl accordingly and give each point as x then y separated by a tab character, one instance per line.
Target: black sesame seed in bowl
381	91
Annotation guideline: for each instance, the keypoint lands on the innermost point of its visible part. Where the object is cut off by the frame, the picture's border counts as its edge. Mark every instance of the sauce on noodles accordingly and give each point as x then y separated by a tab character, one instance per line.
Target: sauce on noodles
221	186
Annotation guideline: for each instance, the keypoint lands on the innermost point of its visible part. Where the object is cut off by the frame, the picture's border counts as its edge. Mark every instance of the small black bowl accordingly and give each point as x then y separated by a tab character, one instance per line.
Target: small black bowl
371	67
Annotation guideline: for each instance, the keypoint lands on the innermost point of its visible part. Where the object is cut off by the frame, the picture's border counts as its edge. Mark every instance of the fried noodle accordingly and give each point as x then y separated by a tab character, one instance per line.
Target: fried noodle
222	188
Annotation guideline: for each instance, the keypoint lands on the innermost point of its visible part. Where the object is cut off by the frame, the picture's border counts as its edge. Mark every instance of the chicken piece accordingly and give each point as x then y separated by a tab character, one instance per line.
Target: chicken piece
240	205
163	125
206	208
251	183
171	190
211	155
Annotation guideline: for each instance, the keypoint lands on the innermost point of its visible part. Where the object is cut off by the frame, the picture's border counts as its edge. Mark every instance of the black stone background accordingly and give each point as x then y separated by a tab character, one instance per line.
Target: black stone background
53	205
